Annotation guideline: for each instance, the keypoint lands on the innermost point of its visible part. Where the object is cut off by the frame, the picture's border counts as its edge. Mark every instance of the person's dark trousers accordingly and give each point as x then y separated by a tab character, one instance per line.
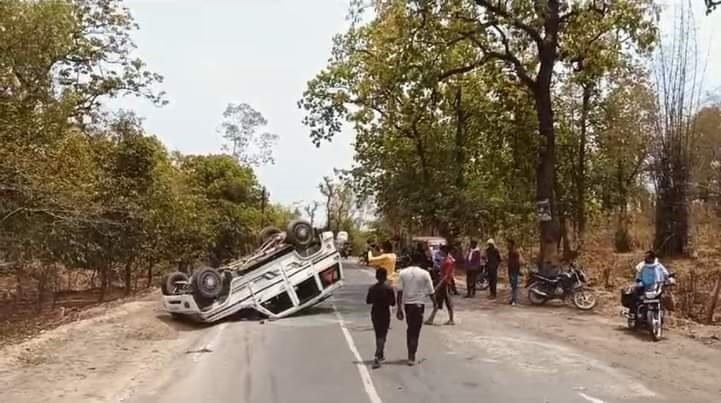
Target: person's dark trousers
414	318
492	281
513	279
471	277
381	324
454	290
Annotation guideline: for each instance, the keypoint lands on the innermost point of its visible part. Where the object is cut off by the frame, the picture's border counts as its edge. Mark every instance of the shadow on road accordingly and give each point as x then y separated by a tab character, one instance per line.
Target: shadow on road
182	323
369	363
312	311
640	334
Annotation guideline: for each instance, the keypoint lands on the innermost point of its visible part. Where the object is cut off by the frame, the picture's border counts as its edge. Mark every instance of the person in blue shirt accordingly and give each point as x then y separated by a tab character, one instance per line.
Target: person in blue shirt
650	272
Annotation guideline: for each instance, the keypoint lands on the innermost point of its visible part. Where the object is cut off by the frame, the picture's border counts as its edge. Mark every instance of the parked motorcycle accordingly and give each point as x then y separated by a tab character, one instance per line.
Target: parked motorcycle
482	280
569	284
645	307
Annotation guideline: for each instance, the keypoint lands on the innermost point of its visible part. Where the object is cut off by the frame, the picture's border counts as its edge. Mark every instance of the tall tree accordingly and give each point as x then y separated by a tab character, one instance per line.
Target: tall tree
240	127
530	38
402	71
678	86
627	130
311	211
706	167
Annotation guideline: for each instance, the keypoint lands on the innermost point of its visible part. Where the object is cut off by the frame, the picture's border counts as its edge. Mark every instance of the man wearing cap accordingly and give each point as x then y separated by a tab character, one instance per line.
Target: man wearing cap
493	259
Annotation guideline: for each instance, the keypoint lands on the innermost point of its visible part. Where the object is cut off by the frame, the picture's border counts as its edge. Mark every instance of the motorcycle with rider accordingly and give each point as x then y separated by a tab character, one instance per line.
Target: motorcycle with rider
644	299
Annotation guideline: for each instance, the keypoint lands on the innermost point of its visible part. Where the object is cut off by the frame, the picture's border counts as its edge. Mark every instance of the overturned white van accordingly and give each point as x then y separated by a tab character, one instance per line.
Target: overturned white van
291	271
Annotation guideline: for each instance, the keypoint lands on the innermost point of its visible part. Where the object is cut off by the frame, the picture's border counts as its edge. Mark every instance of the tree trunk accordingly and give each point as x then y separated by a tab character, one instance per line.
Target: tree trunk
714	300
621	238
420	148
129	276
150	273
581	170
42	280
19	277
546	171
460	140
672	226
103	283
546	174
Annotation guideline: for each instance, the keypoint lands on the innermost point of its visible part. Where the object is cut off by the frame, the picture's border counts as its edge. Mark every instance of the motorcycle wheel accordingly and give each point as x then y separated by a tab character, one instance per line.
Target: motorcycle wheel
655	326
584	299
534	298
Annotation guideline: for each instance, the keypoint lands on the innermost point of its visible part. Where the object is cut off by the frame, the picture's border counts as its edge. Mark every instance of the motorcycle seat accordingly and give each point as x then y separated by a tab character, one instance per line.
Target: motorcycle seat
545	278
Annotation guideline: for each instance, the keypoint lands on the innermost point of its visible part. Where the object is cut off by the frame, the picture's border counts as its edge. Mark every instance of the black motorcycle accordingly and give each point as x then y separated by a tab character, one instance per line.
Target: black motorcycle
482	279
645	307
569	284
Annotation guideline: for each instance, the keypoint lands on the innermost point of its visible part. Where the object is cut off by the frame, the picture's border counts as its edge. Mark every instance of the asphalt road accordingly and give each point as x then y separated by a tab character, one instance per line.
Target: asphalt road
315	358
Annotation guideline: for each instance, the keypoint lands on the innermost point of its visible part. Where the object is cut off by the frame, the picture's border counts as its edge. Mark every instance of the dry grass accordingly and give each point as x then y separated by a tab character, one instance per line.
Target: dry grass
39	297
696	275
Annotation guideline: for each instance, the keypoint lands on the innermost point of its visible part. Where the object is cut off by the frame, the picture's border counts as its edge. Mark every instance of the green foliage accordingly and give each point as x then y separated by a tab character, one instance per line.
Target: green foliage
239	127
86	189
448	99
706	170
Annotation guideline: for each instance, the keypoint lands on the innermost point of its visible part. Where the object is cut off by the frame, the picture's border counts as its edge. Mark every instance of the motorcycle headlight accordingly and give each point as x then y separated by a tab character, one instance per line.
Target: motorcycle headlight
651	294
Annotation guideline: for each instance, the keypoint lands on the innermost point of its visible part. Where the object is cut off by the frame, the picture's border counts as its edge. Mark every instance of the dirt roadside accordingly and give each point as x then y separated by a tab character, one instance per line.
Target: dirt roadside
680	367
97	359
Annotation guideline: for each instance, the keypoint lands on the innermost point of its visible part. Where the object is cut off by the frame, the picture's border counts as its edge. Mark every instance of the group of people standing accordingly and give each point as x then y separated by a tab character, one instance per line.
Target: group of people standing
486	262
430	277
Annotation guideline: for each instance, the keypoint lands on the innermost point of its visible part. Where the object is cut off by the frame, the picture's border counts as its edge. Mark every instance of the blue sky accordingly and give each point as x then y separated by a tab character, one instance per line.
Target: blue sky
262	52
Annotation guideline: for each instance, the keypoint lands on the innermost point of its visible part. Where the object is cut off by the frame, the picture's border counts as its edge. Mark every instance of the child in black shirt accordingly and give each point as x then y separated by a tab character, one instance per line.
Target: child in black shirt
382	297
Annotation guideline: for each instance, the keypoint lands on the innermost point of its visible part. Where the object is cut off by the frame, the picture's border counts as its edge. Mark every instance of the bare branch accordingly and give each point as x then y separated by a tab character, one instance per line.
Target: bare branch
516	22
463	69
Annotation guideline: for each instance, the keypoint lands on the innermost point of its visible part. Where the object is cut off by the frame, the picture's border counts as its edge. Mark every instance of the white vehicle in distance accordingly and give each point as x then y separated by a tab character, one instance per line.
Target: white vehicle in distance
341	243
291	271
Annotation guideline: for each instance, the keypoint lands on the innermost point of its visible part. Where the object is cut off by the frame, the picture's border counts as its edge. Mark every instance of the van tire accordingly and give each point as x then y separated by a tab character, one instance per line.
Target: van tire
207	283
300	234
167	283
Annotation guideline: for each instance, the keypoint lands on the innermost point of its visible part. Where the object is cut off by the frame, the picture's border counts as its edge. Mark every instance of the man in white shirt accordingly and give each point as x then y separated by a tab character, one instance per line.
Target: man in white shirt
415	287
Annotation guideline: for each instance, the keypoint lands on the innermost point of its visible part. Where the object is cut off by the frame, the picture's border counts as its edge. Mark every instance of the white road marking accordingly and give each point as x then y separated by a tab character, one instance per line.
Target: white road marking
589	398
365	376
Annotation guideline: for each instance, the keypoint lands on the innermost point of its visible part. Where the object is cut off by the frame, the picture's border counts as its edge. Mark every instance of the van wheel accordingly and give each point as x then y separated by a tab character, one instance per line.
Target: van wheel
300	233
207	283
167	284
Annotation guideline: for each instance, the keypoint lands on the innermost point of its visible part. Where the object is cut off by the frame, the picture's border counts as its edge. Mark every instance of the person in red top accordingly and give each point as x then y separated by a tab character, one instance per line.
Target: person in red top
443	290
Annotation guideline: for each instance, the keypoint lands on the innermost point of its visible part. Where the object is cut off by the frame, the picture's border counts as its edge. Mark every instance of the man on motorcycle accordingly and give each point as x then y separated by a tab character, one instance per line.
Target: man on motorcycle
649	272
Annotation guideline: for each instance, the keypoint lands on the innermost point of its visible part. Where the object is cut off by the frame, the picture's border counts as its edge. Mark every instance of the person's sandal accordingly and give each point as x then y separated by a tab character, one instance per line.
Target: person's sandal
450	323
